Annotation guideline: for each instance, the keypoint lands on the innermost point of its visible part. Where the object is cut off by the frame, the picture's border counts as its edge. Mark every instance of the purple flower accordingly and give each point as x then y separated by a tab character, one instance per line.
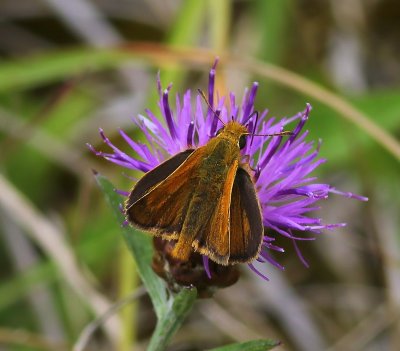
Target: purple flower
286	191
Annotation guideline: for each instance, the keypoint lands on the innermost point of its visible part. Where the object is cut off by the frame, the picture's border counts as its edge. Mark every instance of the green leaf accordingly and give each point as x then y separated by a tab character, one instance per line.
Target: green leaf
254	345
179	307
141	248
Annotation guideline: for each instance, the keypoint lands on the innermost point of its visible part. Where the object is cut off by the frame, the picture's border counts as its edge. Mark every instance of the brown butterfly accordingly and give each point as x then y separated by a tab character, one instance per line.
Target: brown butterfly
204	199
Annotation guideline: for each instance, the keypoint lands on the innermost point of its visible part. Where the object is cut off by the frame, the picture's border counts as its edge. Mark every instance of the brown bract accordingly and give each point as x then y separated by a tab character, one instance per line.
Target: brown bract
192	272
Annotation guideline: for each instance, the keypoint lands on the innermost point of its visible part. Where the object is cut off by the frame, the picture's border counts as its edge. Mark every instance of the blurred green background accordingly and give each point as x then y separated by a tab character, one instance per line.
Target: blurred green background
68	67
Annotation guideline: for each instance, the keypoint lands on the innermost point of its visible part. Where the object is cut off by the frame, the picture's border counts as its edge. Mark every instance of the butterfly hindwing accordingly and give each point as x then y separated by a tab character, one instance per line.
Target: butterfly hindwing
246	228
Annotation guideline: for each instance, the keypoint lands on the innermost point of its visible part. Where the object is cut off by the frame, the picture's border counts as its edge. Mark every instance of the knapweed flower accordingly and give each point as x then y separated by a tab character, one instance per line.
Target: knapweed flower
282	165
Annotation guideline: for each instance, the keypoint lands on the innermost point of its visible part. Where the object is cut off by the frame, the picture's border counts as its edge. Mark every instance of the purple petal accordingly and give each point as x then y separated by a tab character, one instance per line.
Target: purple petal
348	195
255	270
249	103
168	115
206	266
299	254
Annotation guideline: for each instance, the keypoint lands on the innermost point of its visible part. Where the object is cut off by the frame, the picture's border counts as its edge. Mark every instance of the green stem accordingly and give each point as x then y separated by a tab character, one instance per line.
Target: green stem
178	309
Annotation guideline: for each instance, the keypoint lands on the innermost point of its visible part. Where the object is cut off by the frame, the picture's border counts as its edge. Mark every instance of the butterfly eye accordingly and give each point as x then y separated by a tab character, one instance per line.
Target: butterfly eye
242	141
219	131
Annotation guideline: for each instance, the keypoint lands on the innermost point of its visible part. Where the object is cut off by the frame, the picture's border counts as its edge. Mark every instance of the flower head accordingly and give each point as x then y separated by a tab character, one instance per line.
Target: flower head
282	165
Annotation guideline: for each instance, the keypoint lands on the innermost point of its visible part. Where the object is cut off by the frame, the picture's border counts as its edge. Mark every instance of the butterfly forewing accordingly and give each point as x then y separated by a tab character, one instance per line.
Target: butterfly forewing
162	204
155	176
246	228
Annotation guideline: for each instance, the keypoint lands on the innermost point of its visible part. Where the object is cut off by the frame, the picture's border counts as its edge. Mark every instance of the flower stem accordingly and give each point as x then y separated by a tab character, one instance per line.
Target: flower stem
178	309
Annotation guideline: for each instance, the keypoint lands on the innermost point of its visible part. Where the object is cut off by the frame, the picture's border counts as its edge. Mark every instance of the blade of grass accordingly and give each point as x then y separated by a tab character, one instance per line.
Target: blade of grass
128	281
18	339
272	22
178	309
53	148
87	333
49	238
40	300
50	67
219	23
140	246
19	285
254	345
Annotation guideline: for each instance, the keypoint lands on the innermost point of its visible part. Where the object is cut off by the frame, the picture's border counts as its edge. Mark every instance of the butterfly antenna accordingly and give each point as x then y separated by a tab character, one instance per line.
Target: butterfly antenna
283	133
209	105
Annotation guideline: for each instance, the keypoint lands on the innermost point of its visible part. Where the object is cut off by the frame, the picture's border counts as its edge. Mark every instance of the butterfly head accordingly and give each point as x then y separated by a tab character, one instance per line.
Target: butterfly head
234	132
